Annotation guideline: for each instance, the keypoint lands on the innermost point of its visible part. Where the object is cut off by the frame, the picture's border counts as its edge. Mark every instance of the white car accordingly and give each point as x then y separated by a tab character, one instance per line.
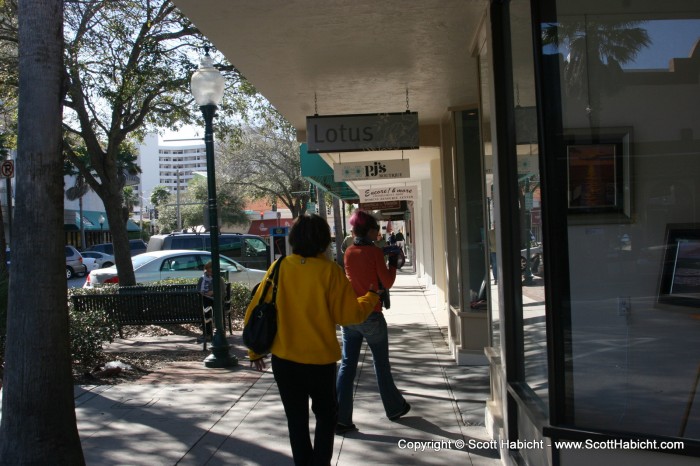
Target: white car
102	259
90	263
175	263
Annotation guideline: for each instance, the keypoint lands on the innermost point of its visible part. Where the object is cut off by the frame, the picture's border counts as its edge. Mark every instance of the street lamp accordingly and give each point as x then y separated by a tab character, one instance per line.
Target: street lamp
208	89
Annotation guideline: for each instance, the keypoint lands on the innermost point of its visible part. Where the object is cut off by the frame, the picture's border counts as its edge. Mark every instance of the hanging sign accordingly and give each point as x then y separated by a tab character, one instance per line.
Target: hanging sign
376	170
352	133
388	205
389	193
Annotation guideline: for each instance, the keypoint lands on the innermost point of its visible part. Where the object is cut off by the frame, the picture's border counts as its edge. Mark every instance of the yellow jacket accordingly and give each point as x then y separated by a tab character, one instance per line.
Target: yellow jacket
313	296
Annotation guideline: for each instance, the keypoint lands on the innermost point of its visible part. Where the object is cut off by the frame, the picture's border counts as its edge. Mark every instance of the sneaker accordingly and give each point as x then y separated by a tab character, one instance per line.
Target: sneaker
341	429
406	409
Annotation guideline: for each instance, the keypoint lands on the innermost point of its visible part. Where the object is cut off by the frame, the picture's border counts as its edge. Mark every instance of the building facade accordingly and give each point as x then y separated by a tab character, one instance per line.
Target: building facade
169	162
570	130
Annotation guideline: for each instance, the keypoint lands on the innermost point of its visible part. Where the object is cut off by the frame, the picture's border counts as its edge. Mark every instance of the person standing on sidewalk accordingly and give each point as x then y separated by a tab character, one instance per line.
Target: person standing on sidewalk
366	269
400	240
313	296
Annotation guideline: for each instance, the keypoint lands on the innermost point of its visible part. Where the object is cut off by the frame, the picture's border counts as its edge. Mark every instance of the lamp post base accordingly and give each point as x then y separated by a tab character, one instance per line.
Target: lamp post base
220	356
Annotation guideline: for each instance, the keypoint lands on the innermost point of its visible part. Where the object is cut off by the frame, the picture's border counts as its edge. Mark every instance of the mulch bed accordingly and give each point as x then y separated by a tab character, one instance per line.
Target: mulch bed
144	363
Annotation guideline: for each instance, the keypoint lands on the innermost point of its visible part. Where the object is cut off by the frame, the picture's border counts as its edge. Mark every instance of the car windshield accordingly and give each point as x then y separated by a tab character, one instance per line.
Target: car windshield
226	263
141	260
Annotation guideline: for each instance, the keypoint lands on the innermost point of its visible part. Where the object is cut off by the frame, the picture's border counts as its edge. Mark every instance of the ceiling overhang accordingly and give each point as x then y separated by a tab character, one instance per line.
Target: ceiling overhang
325	57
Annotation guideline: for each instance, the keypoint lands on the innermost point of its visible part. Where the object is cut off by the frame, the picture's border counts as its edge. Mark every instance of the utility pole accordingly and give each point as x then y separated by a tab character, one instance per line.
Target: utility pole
177	201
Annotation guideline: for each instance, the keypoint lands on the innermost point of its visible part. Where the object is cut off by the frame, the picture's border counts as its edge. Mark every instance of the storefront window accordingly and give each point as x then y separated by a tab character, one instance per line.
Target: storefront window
490	191
529	203
629	171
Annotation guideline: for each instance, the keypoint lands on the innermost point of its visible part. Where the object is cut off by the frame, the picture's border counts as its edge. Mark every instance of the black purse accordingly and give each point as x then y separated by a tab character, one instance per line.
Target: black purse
260	330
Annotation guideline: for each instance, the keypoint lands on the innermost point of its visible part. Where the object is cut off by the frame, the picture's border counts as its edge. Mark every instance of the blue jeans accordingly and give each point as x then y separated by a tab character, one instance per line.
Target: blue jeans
374	330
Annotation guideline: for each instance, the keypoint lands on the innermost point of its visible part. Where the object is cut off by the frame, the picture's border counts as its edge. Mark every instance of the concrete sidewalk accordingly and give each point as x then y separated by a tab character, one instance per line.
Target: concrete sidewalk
187	414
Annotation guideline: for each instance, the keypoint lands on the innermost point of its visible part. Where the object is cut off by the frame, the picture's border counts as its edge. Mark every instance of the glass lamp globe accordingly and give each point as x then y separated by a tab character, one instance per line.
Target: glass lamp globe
207	83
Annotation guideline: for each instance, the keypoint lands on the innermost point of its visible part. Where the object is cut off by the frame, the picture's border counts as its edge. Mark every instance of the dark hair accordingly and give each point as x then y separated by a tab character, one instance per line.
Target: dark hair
310	235
362	222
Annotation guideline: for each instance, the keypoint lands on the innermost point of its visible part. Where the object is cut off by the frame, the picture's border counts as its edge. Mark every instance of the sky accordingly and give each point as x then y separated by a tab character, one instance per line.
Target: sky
670	39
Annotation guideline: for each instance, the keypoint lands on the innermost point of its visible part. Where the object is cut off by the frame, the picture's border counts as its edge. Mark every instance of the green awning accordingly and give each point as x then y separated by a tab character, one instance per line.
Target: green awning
316	171
91	221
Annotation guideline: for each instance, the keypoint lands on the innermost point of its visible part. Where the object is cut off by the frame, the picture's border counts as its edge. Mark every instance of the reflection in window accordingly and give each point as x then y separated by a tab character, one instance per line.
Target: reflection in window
529	205
634	360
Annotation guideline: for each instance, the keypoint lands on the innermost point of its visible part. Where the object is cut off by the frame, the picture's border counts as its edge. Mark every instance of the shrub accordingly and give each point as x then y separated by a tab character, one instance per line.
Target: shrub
240	297
90	330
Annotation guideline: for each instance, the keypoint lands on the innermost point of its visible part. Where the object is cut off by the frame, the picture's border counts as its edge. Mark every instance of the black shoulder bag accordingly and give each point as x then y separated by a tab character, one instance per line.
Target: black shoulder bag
260	330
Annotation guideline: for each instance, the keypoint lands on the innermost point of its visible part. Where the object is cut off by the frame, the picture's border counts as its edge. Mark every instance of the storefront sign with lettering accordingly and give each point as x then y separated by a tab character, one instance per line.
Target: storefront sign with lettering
390	193
352	133
375	170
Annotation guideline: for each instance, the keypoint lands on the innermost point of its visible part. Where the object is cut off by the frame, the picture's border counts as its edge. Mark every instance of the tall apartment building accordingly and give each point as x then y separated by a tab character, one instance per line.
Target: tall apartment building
169	162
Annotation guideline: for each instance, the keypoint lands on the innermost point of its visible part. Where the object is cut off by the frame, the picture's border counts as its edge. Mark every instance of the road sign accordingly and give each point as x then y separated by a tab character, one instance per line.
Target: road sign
7	169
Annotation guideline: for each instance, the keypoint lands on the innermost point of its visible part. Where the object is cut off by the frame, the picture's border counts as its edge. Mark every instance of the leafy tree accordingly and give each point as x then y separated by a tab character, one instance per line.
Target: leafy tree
8	70
127	69
160	196
194	202
265	162
38	413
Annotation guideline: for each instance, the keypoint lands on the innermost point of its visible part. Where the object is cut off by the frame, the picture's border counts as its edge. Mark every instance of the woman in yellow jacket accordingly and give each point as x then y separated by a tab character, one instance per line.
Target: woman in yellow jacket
313	296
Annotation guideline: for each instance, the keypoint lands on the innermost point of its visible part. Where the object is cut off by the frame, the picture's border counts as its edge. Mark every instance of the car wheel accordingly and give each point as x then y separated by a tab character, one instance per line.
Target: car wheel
523	264
107	264
69	273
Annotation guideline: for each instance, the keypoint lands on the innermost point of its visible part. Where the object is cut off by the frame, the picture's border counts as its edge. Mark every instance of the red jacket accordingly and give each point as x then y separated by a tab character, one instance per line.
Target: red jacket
365	266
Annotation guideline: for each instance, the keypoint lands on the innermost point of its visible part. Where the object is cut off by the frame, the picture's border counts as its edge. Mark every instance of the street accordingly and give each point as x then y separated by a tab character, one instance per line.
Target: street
76	282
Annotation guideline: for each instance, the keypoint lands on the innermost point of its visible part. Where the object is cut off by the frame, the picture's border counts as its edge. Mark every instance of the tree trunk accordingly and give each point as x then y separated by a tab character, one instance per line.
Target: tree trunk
117	216
38	412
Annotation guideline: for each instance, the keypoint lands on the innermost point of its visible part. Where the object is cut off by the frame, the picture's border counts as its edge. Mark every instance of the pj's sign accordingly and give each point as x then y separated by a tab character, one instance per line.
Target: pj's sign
373	170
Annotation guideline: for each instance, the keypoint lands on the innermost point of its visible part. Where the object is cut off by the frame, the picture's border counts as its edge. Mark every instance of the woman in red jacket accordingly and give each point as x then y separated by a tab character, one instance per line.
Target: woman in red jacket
366	268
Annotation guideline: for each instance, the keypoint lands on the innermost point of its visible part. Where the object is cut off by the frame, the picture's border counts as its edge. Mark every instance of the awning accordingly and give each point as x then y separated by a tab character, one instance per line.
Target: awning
262	227
318	172
91	221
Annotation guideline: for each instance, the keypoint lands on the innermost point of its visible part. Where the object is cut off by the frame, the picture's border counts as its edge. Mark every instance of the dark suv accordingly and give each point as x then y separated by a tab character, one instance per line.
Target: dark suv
137	247
249	250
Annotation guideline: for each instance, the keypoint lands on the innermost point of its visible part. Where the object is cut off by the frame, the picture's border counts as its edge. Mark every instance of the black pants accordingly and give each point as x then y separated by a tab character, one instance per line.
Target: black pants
297	383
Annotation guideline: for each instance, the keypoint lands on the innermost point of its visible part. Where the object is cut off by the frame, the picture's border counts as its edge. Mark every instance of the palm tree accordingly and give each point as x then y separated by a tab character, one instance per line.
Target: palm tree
596	51
79	189
131	199
38	393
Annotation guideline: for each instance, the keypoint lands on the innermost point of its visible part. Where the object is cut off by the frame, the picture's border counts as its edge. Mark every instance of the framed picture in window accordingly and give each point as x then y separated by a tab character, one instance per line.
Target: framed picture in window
599	175
680	274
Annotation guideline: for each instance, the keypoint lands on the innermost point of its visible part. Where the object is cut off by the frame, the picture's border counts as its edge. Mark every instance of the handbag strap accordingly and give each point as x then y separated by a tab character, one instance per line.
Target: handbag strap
272	281
276	274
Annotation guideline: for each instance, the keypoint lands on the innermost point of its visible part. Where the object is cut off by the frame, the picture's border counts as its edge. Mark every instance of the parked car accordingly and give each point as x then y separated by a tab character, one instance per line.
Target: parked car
137	246
102	259
161	265
74	263
90	263
250	250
